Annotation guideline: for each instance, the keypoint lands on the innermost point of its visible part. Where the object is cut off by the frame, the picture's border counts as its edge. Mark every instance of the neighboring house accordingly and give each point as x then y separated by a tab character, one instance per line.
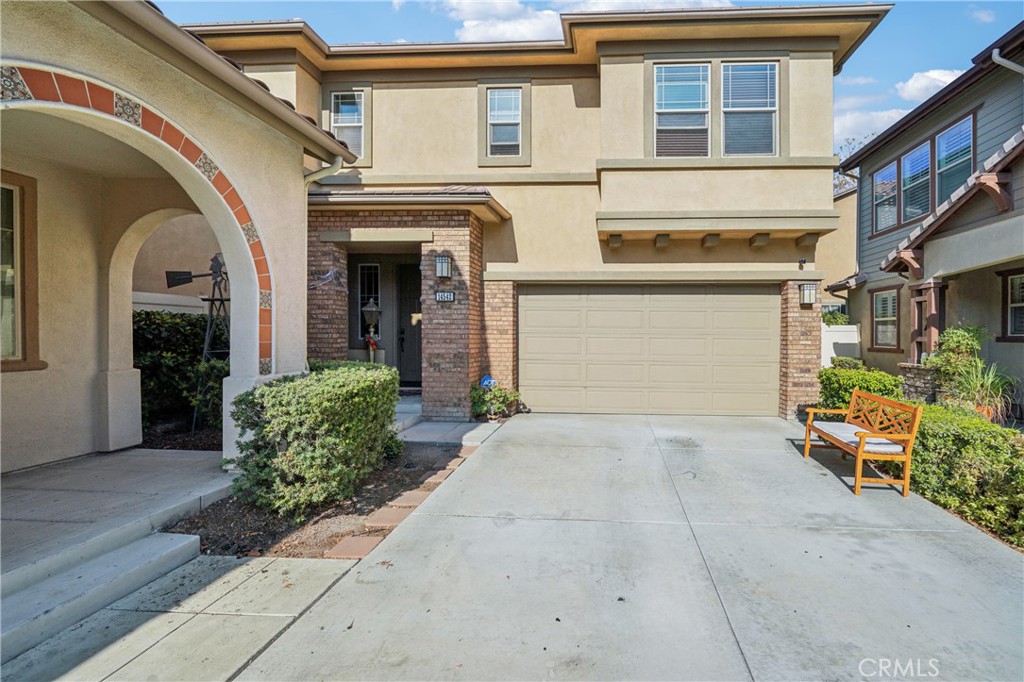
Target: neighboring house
941	219
114	122
618	221
837	252
184	244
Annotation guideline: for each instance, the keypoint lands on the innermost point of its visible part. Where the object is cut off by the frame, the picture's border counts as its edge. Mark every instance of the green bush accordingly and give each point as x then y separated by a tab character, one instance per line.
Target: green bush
834	317
314	437
971	466
842	362
168	352
837	385
497	401
957	352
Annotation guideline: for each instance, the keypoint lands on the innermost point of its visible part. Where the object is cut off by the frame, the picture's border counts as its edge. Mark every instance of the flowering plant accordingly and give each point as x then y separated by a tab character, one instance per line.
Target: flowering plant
371	342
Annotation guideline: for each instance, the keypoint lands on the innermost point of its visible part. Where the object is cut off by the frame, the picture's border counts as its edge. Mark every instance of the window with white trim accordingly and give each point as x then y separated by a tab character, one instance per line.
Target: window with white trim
369	292
681	109
1015	306
347	119
916	182
10	273
884	197
749	109
885	322
504	121
953	158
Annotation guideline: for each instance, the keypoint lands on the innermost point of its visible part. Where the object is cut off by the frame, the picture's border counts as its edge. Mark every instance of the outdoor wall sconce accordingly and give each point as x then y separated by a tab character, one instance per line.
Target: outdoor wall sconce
808	294
443	267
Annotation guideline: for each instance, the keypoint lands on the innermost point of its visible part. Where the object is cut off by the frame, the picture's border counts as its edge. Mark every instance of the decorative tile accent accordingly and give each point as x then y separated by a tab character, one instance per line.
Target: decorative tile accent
250	233
127	109
266	299
12	86
266	365
206	166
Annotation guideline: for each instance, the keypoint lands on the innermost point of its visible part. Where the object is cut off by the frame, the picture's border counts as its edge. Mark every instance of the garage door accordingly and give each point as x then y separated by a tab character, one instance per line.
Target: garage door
658	349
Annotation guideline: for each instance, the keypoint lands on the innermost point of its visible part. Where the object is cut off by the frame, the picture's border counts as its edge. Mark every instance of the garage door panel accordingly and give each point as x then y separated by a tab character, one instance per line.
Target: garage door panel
629	348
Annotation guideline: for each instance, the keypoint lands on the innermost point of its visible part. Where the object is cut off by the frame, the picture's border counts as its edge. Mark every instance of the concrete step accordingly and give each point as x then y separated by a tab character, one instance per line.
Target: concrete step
45	608
406	420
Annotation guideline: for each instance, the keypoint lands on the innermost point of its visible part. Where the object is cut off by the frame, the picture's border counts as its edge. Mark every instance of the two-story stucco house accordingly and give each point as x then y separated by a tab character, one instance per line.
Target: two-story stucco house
941	218
623	220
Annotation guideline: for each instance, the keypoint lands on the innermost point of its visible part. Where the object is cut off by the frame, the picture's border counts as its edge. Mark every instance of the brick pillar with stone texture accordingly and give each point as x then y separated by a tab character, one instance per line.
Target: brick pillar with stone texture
800	353
327	304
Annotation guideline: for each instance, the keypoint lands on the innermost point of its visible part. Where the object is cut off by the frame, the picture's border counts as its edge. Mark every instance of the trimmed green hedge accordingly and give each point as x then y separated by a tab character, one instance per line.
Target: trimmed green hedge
971	466
315	437
837	385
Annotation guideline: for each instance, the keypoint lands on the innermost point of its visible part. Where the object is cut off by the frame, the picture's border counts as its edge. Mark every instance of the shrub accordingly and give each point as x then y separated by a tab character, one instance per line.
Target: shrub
835	317
314	437
168	352
837	385
957	352
494	401
842	362
971	466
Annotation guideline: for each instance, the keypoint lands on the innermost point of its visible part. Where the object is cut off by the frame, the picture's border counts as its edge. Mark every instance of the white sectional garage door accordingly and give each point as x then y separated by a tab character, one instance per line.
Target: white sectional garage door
657	348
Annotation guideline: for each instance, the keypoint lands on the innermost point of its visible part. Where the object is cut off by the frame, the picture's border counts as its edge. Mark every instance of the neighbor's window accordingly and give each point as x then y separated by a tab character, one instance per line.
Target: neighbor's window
10	273
915	169
504	121
1015	306
884	197
369	290
953	158
885	324
749	109
833	308
681	109
347	120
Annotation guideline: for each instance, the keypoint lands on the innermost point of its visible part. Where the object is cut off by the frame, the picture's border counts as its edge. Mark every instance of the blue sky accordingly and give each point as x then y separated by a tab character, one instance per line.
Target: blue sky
919	47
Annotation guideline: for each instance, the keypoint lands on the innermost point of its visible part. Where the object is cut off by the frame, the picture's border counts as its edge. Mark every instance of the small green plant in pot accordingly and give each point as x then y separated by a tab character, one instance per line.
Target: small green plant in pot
987	388
494	401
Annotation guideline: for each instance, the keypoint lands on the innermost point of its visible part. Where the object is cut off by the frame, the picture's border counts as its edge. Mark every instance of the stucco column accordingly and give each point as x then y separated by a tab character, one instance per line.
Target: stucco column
800	351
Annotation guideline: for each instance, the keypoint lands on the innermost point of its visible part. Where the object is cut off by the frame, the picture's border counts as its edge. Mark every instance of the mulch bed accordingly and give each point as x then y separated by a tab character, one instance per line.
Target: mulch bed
202	439
231	527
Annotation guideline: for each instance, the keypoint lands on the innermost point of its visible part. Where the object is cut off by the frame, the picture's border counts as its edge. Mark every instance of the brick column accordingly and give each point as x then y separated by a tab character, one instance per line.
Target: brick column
501	333
800	353
327	305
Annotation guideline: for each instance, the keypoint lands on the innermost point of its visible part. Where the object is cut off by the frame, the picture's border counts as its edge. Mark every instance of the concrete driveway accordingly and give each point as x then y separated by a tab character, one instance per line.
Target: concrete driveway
631	547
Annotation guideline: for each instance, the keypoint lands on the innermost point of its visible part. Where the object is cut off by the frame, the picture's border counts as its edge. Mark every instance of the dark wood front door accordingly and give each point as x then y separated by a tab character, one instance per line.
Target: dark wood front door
410	325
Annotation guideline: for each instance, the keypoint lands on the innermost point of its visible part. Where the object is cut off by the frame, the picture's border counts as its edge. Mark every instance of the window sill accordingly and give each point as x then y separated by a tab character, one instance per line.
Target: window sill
874	349
22	365
1010	339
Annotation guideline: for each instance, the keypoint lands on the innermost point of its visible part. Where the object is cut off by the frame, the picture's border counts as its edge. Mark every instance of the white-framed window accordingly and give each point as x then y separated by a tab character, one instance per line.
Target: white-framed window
916	182
1015	306
749	109
10	273
504	121
883	194
681	109
885	319
369	291
954	149
347	119
833	308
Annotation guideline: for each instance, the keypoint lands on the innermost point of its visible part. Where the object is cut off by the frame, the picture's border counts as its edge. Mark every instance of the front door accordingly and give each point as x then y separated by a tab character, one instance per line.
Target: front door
409	325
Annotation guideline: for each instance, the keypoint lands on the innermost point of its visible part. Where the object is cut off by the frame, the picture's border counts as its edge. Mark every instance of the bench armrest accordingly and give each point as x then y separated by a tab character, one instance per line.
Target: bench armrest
891	436
811	411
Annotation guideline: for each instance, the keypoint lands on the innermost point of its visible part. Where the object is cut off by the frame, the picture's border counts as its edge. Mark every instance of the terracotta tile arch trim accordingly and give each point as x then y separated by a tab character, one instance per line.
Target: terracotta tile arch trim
25	82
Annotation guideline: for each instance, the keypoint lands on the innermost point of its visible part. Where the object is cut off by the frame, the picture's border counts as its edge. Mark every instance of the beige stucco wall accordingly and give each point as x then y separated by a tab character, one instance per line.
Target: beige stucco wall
185	243
265	168
837	251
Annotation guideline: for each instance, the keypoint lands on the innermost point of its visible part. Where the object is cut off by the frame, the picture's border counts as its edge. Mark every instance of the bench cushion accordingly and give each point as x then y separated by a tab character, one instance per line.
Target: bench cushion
844	432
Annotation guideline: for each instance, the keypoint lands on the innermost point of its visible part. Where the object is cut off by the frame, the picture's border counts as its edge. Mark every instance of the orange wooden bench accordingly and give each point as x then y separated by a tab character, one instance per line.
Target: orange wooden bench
875	429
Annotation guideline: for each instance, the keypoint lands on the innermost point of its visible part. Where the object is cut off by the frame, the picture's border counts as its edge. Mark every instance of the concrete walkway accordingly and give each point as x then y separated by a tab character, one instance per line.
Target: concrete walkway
621	547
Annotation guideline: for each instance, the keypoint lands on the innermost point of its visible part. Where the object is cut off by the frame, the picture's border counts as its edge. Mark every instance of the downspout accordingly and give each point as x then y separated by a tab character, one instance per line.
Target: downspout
1012	66
324	172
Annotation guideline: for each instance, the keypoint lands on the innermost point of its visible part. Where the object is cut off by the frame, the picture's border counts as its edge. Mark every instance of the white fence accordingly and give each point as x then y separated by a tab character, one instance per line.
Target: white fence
839	340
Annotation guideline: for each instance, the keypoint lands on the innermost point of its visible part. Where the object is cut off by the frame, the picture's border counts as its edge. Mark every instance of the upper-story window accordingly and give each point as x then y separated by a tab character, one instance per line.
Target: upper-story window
347	119
953	154
884	197
504	121
749	109
916	182
681	109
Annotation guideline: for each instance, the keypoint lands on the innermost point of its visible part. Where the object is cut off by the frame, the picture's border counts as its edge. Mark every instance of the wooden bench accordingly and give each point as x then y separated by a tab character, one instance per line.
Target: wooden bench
875	429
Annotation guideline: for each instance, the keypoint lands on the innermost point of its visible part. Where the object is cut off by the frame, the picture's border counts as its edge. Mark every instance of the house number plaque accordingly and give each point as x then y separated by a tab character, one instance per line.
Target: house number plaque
444	296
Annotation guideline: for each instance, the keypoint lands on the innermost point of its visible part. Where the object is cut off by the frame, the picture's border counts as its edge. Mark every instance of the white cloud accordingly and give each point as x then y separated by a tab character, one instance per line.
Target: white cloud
397	4
496	20
860	124
855	80
924	84
855	101
982	16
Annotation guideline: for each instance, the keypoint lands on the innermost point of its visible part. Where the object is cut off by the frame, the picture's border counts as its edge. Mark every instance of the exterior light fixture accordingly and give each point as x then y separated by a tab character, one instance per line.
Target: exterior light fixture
443	267
371	313
808	294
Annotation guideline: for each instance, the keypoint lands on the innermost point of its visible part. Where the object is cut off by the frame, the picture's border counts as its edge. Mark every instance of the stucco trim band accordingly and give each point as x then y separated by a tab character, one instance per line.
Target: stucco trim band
652	276
360	235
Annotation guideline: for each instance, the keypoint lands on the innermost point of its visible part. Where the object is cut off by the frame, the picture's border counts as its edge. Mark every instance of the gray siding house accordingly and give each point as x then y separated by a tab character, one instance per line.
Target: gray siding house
940	225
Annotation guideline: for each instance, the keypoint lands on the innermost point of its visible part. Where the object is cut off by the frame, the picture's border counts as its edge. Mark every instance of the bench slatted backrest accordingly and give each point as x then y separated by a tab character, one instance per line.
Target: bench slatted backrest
881	415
